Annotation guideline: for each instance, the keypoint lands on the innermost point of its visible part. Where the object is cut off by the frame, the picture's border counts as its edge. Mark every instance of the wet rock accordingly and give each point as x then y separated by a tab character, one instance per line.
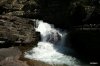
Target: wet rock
38	36
55	12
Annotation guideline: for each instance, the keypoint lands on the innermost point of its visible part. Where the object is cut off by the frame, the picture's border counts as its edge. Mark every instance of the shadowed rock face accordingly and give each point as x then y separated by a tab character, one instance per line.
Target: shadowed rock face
86	43
55	12
69	13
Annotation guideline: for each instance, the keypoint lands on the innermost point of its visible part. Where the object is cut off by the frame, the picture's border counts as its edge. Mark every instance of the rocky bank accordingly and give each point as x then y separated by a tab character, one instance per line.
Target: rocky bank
16	31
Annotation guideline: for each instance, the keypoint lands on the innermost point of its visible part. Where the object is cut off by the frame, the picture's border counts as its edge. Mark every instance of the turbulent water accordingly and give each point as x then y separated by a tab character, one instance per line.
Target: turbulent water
51	49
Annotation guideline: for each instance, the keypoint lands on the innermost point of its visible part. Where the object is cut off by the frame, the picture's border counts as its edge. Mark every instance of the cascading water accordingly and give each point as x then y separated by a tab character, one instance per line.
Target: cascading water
51	48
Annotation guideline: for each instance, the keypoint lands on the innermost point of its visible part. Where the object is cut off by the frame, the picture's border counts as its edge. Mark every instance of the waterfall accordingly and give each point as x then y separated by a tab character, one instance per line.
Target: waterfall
51	48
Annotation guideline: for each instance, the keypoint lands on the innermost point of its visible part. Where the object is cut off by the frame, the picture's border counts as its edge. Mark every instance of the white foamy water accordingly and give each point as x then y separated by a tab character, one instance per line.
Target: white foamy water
51	48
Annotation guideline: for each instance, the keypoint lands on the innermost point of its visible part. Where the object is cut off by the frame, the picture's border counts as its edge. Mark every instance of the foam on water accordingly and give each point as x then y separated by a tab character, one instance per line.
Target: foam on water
51	48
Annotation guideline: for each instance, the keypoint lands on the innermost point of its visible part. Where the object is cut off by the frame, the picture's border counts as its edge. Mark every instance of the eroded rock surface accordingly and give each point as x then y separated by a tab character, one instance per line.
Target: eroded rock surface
24	8
10	57
17	30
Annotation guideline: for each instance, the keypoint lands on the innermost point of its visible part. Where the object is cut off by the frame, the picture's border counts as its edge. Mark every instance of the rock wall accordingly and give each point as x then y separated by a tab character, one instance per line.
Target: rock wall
25	8
15	30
